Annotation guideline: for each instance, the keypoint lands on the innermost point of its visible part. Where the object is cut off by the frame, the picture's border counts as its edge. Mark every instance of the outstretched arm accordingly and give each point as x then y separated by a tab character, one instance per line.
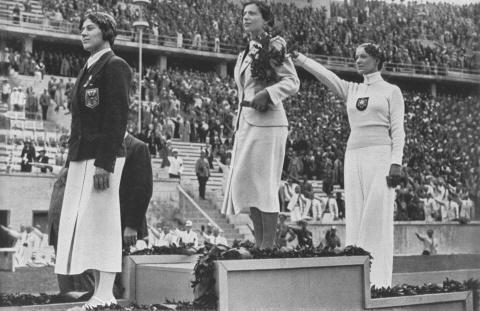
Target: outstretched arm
327	77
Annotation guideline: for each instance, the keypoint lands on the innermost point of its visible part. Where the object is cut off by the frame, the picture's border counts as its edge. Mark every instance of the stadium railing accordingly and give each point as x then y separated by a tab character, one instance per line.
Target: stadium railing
42	23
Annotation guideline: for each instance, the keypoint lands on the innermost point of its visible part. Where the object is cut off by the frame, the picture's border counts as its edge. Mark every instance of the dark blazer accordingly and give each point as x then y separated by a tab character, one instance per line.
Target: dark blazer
136	186
99	106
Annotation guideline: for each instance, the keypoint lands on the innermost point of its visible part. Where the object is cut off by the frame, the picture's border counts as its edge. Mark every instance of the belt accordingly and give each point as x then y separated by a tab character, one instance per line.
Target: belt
246	104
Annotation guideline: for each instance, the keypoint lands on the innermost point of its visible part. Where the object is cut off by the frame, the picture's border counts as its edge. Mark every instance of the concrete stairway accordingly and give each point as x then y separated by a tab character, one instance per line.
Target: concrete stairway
230	231
189	153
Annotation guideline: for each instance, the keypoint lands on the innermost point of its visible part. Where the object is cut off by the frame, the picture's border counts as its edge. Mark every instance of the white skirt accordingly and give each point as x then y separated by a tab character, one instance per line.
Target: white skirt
89	234
256	169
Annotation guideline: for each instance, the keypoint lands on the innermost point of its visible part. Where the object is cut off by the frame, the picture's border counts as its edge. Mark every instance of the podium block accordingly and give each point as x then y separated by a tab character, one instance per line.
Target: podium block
328	283
145	281
324	283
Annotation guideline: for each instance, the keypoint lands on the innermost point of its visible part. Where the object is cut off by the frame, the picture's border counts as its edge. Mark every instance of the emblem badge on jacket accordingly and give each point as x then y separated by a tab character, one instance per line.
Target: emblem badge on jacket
91	98
362	103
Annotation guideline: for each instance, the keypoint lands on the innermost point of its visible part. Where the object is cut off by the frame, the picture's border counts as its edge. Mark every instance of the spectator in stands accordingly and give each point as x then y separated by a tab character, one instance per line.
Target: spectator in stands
330	210
45	103
31	103
331	240
286	192
188	237
60	156
217	238
295	168
297	205
42	158
284	234
304	236
202	170
429	243
450	209
6	90
27	156
340	205
4	62
207	233
467	210
176	165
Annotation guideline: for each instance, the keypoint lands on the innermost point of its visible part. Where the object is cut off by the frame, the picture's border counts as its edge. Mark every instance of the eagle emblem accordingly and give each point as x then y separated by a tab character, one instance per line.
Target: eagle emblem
91	98
362	103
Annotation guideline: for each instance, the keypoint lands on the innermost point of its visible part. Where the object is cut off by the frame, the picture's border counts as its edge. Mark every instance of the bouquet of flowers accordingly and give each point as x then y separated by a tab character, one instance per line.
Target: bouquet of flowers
266	52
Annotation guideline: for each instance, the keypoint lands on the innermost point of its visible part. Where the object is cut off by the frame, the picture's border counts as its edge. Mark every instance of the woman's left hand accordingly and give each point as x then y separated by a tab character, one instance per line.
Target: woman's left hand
395	175
261	101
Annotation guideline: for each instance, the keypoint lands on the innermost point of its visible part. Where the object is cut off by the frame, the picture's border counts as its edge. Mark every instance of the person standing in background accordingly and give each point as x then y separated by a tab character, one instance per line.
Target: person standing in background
202	170
45	103
176	165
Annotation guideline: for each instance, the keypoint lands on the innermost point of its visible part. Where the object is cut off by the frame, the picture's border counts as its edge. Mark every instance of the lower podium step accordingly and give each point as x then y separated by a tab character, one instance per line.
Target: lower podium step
157	283
325	283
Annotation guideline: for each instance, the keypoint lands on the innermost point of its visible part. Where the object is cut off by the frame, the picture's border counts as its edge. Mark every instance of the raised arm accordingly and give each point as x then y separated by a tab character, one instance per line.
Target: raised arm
327	77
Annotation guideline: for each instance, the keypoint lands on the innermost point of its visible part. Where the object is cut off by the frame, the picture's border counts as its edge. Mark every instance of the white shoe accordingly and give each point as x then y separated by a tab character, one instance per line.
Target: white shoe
93	303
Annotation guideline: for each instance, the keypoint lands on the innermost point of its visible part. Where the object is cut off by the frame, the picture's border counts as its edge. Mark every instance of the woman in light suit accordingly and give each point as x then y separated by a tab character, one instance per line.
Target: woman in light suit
260	133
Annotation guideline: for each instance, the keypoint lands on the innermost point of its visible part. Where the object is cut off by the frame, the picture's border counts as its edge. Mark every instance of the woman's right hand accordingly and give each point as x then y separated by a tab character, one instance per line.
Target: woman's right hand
294	56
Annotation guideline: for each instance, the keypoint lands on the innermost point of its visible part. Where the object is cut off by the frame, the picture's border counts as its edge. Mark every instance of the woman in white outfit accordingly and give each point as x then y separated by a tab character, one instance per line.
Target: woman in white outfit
260	133
374	151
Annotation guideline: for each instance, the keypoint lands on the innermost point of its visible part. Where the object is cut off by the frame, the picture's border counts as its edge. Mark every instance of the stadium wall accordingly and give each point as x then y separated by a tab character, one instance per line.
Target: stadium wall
451	237
24	195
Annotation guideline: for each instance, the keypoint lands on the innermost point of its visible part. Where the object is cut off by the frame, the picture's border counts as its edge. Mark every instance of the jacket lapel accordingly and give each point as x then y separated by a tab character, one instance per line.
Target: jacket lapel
73	99
245	63
98	66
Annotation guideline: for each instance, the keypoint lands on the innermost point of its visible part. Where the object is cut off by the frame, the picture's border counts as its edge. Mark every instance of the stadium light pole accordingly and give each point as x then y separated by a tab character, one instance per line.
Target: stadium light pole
140	24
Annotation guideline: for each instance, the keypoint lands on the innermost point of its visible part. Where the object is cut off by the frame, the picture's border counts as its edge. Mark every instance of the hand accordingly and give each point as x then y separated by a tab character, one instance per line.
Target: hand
62	176
101	179
129	236
294	56
261	101
395	175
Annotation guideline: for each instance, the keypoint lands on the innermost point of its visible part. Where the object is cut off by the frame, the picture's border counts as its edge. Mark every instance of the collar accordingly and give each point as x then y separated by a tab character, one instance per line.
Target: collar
372	77
95	57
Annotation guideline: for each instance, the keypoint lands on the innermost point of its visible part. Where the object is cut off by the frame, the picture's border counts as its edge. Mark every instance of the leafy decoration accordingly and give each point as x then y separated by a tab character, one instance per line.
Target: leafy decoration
263	55
204	283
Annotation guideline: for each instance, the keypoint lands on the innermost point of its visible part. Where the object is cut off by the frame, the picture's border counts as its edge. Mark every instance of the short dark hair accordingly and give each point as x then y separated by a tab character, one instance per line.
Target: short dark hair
105	22
374	51
265	11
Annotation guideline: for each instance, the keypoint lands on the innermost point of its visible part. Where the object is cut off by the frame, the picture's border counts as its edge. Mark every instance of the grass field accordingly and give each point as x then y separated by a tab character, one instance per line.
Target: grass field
29	280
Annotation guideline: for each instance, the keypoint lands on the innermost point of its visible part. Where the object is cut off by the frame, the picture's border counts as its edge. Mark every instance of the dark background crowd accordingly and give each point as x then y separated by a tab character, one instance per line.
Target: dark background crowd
429	34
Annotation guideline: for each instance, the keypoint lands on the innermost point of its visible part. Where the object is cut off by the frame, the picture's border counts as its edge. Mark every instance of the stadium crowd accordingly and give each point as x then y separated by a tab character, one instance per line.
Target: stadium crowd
425	34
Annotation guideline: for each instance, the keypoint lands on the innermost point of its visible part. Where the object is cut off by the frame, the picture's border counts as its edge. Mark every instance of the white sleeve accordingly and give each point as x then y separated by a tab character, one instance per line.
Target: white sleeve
327	77
397	131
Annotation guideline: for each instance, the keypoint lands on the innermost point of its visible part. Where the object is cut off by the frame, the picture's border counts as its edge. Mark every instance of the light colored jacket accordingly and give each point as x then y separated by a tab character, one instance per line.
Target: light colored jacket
287	85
